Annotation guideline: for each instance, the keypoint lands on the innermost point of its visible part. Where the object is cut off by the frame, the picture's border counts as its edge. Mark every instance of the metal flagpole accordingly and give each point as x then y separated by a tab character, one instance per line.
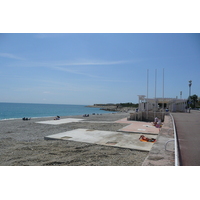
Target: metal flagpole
147	93
163	95
155	81
155	91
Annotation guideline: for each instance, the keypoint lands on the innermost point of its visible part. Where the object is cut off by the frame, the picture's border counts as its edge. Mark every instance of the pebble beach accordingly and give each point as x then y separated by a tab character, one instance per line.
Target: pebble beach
22	143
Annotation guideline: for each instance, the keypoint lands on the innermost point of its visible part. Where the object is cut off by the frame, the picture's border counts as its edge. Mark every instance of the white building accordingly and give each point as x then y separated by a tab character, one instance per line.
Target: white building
172	104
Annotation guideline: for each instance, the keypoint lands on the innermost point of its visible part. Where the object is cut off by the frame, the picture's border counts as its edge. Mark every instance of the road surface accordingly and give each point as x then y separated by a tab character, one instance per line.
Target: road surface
188	132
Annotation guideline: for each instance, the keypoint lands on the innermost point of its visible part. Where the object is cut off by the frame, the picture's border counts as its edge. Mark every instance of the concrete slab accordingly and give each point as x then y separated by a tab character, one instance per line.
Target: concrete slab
138	127
60	121
108	138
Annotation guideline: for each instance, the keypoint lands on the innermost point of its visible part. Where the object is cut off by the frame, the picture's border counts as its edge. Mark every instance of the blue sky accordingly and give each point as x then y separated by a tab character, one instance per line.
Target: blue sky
89	68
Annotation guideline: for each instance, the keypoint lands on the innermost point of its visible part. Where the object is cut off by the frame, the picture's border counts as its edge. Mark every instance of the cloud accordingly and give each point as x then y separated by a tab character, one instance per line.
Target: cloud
94	63
74	72
8	55
97	78
58	64
83	67
68	66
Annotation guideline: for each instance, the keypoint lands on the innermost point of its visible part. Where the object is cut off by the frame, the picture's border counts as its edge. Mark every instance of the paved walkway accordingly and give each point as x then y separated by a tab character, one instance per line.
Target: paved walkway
188	131
158	155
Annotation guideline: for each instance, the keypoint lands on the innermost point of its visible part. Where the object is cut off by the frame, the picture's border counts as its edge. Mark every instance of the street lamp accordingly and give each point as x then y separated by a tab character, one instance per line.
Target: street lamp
190	84
189	98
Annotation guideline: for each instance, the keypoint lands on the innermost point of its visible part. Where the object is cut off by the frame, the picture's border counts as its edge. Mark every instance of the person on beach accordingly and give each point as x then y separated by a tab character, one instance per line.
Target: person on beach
24	118
186	108
155	121
57	118
158	124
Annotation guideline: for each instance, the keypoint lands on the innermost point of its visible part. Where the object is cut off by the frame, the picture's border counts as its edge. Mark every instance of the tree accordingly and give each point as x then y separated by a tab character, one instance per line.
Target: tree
193	99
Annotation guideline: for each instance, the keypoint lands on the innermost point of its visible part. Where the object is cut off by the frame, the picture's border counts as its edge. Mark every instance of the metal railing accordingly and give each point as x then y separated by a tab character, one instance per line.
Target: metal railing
177	163
167	143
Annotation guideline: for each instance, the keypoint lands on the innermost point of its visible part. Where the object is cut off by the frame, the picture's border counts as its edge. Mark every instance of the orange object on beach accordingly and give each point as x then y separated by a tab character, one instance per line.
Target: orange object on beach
145	139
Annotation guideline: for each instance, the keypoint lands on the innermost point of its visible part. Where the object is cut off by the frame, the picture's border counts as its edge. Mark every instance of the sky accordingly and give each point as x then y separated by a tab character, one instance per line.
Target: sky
90	68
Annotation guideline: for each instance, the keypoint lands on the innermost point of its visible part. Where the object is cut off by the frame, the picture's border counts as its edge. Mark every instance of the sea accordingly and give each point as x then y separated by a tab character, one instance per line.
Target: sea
9	111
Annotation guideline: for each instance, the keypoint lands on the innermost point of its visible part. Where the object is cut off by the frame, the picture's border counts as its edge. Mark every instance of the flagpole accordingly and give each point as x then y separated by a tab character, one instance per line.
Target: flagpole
147	92
163	94
155	91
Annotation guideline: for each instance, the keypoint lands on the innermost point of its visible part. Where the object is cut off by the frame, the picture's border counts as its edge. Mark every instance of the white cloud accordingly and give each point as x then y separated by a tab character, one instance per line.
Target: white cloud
75	72
102	78
8	55
74	67
57	64
93	63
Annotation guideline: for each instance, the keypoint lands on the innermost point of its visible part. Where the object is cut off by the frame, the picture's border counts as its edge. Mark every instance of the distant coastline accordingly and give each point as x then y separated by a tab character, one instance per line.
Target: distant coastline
122	107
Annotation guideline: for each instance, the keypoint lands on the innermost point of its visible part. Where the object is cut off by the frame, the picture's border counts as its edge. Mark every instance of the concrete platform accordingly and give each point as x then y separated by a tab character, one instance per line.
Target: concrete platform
60	121
108	138
138	127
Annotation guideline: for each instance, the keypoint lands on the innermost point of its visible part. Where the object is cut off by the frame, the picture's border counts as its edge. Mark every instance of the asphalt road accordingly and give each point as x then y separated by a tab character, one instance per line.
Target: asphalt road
188	132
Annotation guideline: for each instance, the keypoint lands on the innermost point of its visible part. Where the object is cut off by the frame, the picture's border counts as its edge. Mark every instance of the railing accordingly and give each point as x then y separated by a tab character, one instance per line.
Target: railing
175	143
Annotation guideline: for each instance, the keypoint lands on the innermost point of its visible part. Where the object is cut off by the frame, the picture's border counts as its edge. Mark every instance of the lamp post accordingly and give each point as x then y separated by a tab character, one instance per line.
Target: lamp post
190	84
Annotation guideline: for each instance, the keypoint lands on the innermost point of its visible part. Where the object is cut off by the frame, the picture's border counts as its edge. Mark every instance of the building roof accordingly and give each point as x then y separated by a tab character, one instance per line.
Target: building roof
161	100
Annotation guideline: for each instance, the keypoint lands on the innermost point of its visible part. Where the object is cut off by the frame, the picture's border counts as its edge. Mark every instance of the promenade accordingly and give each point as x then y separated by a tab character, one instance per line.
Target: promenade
188	131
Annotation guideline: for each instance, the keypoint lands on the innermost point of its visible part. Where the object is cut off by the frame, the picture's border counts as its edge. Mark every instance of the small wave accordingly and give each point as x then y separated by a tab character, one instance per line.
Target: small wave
9	119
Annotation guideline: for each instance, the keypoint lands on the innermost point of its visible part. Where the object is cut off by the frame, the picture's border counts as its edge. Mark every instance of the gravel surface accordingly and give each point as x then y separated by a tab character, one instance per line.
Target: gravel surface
22	143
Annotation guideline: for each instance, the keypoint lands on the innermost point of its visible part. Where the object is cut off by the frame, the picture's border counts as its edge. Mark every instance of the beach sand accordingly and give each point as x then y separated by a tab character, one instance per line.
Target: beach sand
22	144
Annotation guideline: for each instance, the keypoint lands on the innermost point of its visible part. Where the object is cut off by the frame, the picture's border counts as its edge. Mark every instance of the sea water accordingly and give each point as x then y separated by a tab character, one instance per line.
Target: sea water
31	110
